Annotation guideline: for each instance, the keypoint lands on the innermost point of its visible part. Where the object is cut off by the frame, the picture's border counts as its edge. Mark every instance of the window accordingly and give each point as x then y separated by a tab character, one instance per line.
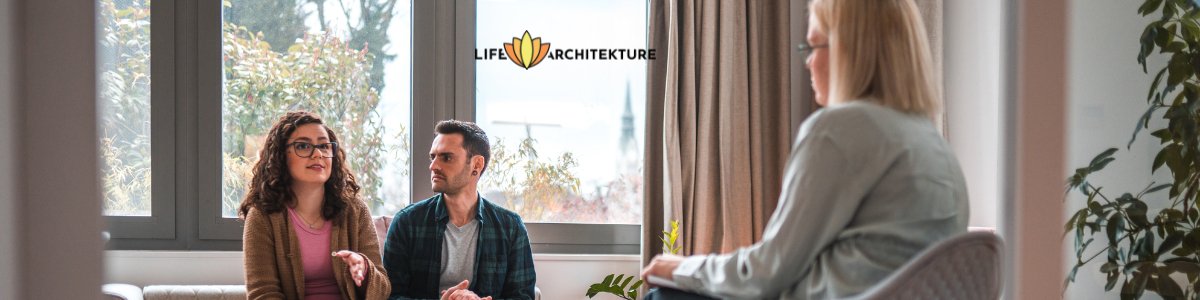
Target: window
224	71
124	92
137	199
345	61
567	130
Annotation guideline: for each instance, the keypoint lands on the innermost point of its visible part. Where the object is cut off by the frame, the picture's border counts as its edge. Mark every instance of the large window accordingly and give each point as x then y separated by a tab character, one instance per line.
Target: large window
567	130
346	61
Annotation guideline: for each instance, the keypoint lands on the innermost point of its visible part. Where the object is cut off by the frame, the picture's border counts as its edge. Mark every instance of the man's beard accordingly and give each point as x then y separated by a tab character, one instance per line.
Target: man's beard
450	185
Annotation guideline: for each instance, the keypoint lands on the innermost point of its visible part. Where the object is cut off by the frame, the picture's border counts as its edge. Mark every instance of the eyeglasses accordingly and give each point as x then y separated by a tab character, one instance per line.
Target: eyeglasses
306	150
806	49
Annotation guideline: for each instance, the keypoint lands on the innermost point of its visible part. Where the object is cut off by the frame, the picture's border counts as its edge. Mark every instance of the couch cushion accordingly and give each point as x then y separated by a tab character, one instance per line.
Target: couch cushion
194	292
381	227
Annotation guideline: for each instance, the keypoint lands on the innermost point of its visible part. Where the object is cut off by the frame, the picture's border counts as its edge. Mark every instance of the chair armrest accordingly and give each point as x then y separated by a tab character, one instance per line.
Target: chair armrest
121	291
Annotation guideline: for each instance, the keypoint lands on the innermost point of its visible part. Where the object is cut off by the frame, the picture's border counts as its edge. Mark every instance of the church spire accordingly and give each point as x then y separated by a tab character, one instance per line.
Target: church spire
629	147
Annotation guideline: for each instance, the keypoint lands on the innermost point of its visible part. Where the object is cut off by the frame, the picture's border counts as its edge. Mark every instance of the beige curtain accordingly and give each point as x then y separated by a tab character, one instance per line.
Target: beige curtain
719	96
718	128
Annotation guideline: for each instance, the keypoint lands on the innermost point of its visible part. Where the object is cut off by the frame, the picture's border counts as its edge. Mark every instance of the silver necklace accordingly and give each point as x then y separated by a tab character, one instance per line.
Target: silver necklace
310	225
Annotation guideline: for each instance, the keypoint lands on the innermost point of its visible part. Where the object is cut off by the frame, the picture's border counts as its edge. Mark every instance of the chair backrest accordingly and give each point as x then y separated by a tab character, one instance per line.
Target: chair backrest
381	224
966	266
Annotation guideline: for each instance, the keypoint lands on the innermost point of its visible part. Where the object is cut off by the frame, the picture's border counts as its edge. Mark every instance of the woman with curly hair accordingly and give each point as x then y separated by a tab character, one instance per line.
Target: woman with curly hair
302	204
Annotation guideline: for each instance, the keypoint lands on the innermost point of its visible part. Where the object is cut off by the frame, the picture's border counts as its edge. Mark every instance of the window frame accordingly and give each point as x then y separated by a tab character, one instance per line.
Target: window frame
160	224
186	137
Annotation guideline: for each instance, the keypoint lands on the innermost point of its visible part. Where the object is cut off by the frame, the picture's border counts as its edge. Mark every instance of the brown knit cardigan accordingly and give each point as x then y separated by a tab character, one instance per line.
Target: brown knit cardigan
272	256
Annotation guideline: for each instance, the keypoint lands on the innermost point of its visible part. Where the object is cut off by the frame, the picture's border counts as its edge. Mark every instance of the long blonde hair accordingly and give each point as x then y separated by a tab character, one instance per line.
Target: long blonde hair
879	52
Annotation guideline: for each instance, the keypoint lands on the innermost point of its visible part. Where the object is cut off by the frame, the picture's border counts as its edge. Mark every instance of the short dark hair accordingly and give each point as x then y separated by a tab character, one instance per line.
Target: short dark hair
474	139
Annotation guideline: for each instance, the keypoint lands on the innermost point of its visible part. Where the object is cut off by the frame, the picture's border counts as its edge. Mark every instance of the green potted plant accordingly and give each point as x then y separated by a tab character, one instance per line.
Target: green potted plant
1143	249
619	284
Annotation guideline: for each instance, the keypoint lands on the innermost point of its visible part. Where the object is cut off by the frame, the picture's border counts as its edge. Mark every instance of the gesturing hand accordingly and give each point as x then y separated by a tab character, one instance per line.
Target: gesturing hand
460	292
357	264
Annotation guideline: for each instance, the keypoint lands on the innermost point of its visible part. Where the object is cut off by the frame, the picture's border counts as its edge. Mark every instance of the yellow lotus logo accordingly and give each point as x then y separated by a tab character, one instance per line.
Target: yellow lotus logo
526	51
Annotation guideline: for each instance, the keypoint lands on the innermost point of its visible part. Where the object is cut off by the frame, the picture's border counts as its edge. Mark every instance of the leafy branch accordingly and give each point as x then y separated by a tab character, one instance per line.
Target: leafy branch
670	238
619	285
1143	249
616	286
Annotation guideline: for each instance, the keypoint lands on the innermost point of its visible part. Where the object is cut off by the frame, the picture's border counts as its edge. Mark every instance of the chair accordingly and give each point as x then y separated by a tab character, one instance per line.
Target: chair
966	266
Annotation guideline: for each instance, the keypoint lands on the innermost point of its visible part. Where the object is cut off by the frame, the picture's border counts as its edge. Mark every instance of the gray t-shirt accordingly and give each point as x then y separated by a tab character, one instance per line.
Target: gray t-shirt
458	253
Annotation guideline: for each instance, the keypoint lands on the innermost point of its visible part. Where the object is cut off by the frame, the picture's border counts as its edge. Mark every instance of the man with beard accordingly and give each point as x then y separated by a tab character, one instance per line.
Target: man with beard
456	244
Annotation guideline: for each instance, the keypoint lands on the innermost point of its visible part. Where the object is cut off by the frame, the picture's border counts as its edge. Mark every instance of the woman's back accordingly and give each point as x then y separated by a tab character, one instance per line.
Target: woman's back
866	188
908	186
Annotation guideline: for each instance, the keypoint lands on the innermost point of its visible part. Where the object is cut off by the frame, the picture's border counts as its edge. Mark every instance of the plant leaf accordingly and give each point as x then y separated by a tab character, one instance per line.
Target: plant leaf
1154	85
1157	188
1167	287
1109	267
1146	251
1101	157
1142	122
616	286
1147	42
1137	214
1114	228
1179	68
1190	268
1149	7
1173	240
1112	280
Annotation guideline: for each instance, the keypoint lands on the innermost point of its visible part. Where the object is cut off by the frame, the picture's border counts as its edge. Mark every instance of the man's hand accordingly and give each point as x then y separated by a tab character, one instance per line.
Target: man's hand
357	264
460	292
662	266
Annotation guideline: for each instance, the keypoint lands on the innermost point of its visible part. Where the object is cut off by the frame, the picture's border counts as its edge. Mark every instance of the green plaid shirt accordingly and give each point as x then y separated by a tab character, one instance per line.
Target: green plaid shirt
413	251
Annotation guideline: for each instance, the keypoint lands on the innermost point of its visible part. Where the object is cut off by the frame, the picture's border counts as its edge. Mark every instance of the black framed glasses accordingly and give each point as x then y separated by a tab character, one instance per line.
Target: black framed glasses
806	49
306	149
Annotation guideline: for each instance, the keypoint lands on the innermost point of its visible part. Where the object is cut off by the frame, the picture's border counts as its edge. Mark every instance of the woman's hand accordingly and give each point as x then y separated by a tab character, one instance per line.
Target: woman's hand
357	264
662	266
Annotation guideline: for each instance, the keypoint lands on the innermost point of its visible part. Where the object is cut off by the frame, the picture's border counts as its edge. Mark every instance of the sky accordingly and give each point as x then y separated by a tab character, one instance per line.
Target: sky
584	97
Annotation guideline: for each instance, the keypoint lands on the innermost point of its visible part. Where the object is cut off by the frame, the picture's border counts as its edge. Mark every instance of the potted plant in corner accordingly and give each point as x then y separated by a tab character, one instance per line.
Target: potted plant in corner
620	284
1143	249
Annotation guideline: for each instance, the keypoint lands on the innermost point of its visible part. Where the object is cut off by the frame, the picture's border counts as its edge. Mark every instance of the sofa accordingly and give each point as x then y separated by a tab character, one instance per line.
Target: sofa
120	291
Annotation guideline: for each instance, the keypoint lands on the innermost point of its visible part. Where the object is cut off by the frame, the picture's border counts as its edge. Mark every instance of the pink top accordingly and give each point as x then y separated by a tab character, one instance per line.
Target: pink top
316	259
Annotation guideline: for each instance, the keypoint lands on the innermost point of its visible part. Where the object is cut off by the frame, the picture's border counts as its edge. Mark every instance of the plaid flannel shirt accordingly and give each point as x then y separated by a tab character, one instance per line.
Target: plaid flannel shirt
413	252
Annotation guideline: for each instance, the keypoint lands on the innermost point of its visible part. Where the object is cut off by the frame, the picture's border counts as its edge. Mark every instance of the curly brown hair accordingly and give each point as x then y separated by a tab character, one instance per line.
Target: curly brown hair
270	187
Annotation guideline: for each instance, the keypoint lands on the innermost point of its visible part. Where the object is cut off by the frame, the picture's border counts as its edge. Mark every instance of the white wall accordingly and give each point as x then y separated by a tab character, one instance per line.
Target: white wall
8	179
1107	95
973	37
559	276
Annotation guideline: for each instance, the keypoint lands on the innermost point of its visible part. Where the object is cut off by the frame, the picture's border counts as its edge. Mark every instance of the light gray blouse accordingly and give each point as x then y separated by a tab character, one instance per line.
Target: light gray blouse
865	188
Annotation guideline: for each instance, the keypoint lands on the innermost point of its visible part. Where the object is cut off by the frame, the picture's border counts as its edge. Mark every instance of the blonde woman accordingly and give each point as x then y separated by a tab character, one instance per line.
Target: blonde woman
870	181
